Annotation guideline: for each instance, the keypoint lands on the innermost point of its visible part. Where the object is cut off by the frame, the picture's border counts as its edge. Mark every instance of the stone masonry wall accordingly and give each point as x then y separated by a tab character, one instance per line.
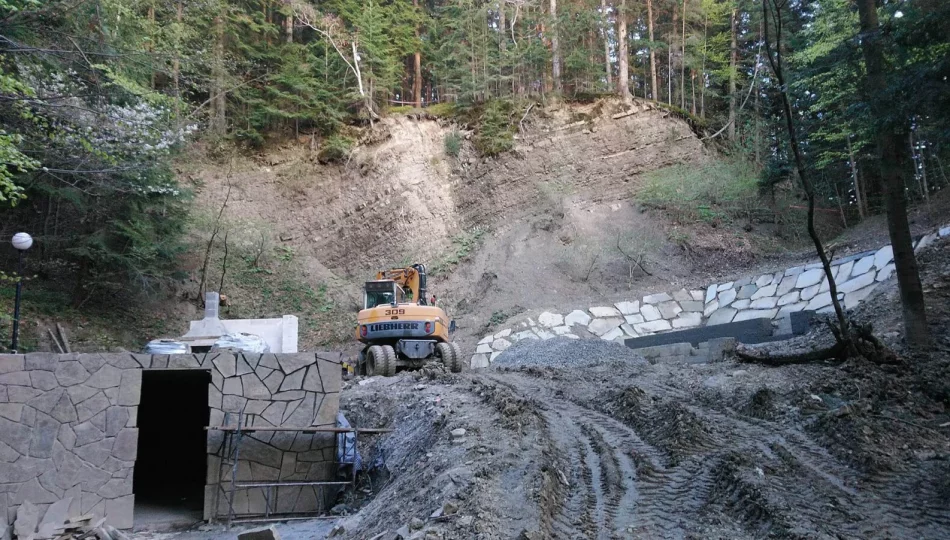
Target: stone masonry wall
68	424
769	296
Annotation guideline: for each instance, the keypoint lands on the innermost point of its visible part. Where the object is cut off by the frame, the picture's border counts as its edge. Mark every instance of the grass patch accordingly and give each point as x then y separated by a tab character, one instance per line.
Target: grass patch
717	192
463	244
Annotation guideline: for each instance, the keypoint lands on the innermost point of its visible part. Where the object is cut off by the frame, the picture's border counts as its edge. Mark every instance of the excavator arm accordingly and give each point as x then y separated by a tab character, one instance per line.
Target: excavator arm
412	279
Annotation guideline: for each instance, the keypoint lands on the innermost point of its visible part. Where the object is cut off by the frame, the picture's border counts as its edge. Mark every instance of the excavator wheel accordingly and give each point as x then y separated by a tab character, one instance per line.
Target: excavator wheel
451	356
387	364
375	360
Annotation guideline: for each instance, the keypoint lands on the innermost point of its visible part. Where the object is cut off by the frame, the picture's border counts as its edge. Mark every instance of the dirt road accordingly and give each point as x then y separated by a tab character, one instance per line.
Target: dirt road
654	451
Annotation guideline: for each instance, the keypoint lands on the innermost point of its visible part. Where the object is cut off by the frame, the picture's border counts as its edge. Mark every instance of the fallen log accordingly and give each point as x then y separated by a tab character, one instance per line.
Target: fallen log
747	354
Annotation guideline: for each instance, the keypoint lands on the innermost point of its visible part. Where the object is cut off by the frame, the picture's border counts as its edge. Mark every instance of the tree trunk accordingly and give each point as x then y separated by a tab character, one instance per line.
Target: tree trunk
654	89
607	67
176	63
683	61
669	60
151	47
555	50
858	196
289	28
702	71
218	122
417	69
893	166
732	77
623	77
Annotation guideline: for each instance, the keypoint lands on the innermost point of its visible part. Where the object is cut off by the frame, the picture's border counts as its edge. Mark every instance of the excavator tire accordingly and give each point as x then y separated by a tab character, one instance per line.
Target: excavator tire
451	356
456	366
387	364
375	360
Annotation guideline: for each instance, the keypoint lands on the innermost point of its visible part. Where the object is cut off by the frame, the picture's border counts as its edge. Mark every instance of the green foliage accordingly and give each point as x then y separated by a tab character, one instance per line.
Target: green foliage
716	191
334	149
453	143
463	244
496	128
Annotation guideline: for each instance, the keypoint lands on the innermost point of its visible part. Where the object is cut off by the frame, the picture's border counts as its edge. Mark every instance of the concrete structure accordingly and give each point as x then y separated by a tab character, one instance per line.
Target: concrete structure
773	297
69	426
279	334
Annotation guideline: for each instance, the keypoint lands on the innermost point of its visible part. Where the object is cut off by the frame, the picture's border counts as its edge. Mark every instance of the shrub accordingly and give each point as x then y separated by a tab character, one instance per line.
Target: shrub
453	143
335	148
496	132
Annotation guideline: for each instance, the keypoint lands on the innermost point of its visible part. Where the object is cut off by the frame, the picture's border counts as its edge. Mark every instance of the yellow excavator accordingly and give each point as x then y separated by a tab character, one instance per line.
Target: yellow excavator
400	327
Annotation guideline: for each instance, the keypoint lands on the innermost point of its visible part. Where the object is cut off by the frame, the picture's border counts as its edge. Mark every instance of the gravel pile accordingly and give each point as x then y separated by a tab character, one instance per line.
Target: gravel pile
565	352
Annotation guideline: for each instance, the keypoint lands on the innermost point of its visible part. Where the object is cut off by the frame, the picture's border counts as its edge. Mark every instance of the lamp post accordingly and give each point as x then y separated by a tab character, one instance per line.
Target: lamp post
22	242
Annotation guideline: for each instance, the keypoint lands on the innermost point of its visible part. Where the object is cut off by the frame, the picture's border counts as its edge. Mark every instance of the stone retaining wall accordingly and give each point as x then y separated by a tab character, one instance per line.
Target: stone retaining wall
68	426
769	296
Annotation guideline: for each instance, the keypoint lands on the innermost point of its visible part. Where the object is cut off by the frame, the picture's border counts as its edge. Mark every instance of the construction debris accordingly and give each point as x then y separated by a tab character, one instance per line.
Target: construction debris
57	525
266	533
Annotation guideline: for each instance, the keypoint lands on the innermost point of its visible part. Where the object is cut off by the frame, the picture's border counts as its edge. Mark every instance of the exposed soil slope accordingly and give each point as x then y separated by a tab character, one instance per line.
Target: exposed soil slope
534	225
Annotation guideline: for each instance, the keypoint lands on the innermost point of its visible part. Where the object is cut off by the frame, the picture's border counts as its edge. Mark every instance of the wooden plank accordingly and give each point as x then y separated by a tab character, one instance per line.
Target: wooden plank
62	336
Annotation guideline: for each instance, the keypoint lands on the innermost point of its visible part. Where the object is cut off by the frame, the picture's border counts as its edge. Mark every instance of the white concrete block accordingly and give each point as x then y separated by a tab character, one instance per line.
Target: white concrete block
550	320
577	317
768	290
650	313
628	308
809	278
855	283
604	311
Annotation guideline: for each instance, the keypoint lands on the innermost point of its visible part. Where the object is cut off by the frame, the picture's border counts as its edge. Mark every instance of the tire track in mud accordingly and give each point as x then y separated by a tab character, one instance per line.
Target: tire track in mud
660	475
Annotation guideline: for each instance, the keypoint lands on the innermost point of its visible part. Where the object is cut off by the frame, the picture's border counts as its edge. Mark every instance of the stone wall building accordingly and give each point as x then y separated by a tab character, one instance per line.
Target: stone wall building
70	426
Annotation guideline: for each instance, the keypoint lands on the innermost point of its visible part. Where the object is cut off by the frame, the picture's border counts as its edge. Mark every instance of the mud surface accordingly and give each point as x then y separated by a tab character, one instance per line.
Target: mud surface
625	449
620	451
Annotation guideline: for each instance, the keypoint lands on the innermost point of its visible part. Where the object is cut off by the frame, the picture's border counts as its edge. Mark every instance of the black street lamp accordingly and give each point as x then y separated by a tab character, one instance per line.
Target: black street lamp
22	242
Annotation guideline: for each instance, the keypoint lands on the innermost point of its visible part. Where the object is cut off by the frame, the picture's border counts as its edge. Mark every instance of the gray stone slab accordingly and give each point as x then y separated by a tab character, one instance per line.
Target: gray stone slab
43	361
794	271
232	386
844	272
853	298
255	389
711	293
755	314
763	280
746	292
886	272
669	309
600	327
883	256
653	326
809	278
726	297
863	265
126	444
650	313
226	365
119	511
11	362
688	320
786	285
764	303
721	316
858	282
107	376
711	308
809	292
290	363
657	298
768	290
131	389
692	306
789	298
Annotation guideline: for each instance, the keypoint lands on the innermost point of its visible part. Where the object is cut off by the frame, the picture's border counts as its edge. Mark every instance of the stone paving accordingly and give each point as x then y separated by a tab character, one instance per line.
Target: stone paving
769	296
68	426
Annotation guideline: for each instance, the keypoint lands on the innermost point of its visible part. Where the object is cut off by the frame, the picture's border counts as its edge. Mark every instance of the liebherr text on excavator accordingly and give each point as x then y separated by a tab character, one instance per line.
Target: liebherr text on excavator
400	328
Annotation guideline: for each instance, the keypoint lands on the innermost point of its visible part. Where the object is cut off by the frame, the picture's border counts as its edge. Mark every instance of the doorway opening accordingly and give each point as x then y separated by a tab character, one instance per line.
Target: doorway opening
171	466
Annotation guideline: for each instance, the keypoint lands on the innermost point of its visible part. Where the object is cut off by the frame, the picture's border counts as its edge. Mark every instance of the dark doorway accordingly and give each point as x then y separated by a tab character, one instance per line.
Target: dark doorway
170	470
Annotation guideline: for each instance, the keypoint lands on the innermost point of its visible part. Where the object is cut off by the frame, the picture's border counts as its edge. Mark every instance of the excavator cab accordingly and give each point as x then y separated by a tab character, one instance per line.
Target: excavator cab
382	293
399	328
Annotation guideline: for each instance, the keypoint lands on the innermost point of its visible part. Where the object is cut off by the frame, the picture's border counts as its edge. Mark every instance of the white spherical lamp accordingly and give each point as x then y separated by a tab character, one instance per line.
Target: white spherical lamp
22	241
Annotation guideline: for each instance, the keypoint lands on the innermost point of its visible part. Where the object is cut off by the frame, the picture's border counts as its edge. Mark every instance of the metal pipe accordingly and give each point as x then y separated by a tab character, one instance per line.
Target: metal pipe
16	304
